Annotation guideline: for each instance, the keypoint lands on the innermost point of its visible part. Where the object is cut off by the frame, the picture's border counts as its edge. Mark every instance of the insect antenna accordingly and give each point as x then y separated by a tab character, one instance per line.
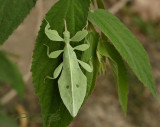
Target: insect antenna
65	25
86	26
46	20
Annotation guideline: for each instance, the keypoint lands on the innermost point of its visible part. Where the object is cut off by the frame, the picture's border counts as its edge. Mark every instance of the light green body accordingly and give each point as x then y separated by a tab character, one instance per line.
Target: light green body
72	82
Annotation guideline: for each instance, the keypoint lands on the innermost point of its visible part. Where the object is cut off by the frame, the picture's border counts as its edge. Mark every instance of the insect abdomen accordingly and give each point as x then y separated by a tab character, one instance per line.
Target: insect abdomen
72	82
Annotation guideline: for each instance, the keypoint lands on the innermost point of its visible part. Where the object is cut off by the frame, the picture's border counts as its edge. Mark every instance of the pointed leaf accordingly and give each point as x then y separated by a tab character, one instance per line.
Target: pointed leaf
9	73
92	38
12	13
119	70
126	44
100	4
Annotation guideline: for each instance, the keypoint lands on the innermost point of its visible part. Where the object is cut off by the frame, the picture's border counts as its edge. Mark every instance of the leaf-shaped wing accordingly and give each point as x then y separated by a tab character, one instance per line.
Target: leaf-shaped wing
72	83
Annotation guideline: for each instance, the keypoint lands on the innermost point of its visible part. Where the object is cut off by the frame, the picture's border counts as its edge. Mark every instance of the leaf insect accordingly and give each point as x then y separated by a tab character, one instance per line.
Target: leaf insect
72	82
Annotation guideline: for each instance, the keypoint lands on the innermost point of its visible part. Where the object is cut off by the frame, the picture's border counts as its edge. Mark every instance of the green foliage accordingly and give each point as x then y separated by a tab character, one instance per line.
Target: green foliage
12	13
126	44
53	95
119	71
75	13
92	38
9	74
100	4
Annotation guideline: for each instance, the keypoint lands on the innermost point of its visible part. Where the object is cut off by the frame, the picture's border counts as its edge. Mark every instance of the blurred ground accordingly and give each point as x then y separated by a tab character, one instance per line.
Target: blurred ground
102	108
148	9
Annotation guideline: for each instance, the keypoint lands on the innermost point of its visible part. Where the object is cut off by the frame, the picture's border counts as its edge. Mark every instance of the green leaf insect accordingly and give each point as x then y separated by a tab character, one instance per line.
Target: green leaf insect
72	82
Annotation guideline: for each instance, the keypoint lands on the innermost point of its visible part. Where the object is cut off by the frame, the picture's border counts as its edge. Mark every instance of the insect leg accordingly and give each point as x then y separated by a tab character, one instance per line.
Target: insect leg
56	72
87	67
53	54
52	34
80	35
82	47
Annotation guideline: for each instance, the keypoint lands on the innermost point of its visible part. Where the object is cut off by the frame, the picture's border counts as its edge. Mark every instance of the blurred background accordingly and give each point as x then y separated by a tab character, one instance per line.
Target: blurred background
102	109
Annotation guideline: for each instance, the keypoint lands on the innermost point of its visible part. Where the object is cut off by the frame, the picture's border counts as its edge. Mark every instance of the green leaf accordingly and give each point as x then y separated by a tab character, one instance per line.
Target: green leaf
126	44
90	55
12	13
75	12
119	71
9	73
6	121
100	4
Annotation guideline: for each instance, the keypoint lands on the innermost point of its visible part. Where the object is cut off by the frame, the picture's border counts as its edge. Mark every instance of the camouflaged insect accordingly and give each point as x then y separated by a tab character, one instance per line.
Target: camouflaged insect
72	82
